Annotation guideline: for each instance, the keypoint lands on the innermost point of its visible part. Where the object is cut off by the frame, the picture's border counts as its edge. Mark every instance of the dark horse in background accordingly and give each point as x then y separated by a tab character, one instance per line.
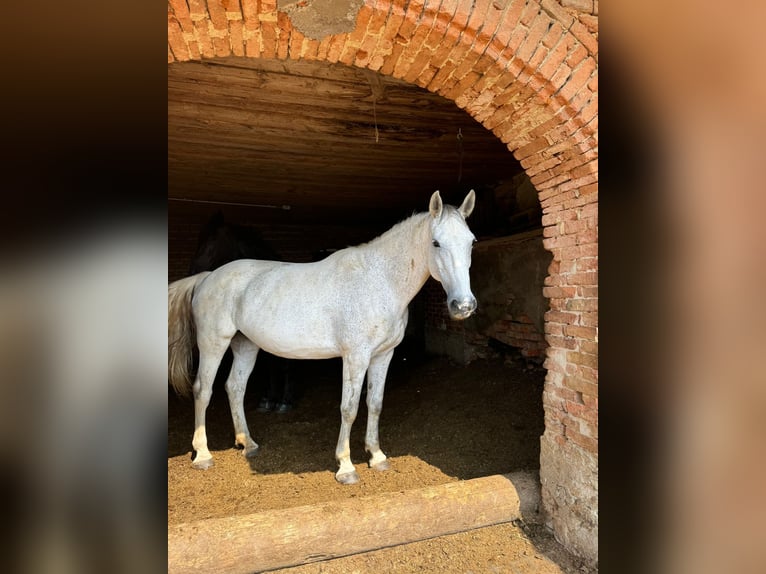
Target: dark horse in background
219	243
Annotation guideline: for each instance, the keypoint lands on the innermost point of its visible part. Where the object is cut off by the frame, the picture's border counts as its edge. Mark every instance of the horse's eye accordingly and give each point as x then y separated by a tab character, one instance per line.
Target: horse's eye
436	243
474	242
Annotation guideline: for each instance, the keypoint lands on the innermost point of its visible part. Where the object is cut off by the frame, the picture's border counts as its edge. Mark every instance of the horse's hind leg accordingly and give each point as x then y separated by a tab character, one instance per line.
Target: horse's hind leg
376	382
245	353
210	355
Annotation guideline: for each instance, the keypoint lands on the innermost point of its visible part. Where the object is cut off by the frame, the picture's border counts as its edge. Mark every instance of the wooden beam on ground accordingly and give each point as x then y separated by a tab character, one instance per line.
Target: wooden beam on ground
292	536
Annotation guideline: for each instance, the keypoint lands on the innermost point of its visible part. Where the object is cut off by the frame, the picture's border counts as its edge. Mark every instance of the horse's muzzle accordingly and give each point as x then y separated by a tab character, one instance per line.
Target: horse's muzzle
462	309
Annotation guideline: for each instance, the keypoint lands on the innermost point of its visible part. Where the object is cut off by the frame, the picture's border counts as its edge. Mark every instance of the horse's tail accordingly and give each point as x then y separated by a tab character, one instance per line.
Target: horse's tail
181	332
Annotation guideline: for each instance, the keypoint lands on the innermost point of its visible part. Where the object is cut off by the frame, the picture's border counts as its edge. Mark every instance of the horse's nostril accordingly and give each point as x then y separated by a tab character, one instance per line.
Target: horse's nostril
466	306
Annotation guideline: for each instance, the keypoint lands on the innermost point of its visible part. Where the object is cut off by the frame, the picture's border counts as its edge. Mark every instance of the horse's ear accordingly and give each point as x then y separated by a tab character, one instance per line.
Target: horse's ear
468	203
435	206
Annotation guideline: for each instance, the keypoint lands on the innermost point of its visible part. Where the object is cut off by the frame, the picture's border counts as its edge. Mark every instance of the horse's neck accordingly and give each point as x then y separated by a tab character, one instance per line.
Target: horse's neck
402	255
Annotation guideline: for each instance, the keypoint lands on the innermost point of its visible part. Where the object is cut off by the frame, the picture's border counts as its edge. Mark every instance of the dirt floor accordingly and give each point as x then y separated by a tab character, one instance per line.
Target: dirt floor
441	423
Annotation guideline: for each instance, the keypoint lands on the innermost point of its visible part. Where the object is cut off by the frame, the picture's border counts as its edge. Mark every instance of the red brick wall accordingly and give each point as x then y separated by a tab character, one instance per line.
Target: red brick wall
572	321
522	333
519	332
528	71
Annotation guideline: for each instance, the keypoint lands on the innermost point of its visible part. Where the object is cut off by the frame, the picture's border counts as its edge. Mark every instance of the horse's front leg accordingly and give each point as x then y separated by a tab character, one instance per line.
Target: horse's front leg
376	382
354	368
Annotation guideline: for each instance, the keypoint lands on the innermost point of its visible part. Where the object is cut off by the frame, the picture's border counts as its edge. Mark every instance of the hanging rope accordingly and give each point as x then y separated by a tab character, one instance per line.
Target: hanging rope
377	92
460	154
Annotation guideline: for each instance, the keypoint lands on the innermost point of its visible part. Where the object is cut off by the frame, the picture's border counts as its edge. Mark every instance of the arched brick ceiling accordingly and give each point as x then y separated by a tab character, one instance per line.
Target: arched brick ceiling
526	70
303	134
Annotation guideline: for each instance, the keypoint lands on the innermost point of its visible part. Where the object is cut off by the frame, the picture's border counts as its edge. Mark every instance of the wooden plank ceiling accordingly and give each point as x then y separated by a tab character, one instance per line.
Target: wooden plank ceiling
333	143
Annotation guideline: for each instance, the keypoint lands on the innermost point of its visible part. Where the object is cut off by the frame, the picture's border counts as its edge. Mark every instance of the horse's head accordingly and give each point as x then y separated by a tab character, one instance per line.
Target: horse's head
449	254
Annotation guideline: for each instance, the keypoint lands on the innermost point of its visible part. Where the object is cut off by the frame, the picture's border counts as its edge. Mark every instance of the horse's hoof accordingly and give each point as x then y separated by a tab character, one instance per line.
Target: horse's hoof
283	408
381	466
252	452
264	406
347	477
247	452
203	464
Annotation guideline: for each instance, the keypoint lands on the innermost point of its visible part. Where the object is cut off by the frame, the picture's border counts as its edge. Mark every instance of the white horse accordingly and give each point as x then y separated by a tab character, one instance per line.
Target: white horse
352	304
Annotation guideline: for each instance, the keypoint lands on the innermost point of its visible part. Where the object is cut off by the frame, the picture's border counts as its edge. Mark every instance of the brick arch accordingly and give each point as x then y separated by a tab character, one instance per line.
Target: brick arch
528	71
